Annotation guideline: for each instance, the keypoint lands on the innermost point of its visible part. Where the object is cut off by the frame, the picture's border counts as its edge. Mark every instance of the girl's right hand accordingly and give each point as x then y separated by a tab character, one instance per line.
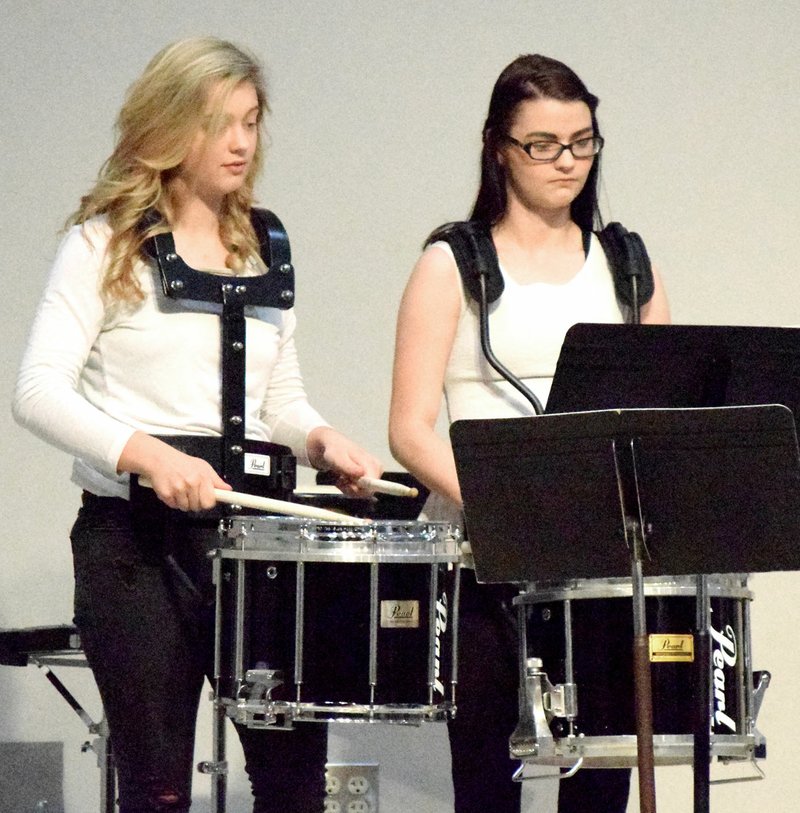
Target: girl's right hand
179	480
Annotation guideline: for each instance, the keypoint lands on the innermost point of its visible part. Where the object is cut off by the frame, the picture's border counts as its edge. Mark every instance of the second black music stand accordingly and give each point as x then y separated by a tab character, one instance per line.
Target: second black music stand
712	490
655	492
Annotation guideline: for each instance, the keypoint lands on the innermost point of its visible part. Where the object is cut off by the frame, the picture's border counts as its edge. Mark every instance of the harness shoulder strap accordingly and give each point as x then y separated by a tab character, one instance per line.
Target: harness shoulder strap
627	257
275	289
272	239
475	256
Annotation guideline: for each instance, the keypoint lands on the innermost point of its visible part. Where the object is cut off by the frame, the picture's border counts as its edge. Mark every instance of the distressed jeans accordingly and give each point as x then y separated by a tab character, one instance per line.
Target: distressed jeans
145	610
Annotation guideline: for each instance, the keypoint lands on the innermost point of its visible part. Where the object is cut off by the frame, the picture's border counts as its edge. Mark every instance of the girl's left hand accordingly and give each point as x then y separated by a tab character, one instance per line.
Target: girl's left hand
329	450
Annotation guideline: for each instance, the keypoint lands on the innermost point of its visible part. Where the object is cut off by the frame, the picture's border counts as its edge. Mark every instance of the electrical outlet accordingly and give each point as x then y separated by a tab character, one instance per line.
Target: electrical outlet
351	788
333	784
358	785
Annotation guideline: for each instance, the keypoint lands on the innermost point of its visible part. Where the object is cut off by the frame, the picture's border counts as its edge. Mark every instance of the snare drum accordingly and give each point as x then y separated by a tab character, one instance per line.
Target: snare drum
336	622
577	676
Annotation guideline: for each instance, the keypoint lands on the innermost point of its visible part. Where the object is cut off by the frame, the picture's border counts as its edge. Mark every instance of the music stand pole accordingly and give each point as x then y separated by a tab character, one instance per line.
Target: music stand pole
643	694
626	465
702	687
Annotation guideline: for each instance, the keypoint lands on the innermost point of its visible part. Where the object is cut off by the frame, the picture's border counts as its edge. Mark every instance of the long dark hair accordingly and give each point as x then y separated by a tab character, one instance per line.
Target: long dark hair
531	76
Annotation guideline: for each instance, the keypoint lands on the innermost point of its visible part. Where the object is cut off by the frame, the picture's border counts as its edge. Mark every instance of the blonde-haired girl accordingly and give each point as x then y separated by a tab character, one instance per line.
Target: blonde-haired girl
116	370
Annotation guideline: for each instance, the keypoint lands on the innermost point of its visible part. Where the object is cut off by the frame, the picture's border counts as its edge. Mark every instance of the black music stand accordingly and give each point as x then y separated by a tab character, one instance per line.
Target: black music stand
656	491
648	366
710	482
700	484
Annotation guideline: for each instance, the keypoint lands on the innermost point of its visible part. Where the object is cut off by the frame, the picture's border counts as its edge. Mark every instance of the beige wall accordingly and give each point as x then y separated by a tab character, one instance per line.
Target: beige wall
377	108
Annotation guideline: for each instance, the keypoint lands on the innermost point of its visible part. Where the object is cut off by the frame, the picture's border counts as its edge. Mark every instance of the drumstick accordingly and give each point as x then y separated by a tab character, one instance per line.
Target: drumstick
277	506
387	487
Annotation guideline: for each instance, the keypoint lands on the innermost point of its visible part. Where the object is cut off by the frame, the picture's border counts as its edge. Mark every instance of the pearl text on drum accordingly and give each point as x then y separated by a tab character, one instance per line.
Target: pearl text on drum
441	626
724	656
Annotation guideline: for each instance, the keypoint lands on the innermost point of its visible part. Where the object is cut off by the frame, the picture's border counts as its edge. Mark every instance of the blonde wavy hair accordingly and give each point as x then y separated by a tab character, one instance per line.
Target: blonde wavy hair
162	113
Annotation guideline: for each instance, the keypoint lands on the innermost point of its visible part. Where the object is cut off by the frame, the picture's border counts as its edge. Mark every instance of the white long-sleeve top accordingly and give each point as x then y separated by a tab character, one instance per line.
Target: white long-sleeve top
92	374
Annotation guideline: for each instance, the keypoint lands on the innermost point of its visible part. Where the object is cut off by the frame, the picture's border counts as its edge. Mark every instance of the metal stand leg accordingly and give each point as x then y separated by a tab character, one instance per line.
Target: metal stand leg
101	746
105	762
217	768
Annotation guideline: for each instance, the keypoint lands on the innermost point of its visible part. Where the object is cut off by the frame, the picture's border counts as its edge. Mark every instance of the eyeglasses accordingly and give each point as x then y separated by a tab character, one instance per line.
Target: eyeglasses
548	151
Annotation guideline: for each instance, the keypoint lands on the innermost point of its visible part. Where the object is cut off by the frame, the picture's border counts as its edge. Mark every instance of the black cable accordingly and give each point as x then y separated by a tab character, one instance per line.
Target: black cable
490	357
635	317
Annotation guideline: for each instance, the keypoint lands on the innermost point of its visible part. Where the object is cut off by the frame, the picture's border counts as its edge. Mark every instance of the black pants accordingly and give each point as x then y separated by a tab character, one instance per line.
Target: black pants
488	711
144	608
603	790
487	708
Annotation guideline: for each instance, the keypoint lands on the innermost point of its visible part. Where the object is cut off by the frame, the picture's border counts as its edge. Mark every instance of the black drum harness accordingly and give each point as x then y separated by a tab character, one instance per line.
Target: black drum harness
272	467
476	258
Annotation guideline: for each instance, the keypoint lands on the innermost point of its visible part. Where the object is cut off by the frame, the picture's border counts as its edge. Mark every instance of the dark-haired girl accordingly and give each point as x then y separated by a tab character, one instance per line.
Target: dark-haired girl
540	166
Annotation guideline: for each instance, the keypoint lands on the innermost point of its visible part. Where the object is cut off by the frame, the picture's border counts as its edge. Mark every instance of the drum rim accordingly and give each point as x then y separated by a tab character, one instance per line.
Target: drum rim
720	585
288	712
621	750
299	539
447	556
230	524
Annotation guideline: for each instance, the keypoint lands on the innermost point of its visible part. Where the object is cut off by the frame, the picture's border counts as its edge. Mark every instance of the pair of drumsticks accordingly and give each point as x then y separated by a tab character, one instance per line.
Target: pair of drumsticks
274	506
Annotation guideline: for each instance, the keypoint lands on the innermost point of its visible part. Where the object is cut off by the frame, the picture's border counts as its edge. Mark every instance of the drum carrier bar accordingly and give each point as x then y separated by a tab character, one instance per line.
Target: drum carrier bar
275	289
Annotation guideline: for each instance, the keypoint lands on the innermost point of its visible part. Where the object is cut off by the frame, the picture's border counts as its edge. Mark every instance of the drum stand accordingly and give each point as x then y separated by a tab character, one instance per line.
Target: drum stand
102	744
687	490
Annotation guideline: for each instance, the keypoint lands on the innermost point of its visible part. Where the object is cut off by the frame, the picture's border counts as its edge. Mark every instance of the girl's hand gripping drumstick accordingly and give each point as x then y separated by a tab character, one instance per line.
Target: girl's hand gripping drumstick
273	506
387	487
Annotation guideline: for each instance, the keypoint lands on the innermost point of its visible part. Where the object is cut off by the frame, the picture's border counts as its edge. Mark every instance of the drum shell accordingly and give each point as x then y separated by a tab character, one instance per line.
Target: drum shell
316	612
602	643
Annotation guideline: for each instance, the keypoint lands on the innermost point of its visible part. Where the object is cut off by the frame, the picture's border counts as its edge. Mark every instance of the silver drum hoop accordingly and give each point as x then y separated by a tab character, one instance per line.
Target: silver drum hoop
728	585
302	540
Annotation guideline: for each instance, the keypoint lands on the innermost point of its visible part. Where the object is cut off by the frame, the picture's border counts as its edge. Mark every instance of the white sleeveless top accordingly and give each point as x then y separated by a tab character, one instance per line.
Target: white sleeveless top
527	325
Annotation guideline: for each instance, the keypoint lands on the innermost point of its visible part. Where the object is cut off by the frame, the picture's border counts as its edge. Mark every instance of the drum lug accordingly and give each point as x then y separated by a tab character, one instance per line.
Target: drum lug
760	685
254	706
213	768
562	700
761	682
260	683
538	698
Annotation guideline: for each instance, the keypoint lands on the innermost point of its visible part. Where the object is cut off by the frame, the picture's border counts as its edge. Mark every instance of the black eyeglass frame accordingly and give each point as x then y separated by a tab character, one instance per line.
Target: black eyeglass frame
599	141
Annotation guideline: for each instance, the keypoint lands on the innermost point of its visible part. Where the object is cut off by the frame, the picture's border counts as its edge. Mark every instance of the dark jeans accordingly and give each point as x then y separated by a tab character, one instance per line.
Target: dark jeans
487	707
144	608
603	790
